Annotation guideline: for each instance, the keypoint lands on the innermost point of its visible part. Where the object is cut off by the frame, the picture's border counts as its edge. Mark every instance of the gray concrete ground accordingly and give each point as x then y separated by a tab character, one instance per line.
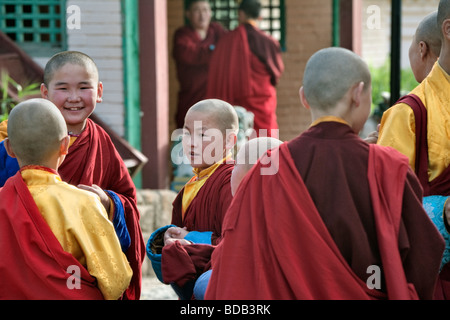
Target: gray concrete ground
153	289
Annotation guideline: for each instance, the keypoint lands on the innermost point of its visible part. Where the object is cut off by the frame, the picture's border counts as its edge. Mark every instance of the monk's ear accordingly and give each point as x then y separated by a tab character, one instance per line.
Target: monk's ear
100	92
357	93
423	49
446	29
303	98
231	140
64	146
8	148
44	91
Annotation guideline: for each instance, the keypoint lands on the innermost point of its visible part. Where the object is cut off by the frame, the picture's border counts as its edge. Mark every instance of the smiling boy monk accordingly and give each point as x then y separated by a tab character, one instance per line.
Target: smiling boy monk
71	82
50	229
210	133
340	219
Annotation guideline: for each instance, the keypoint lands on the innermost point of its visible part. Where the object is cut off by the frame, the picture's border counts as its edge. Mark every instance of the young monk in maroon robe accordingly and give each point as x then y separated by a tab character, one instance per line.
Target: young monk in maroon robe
246	67
193	46
71	82
210	133
339	219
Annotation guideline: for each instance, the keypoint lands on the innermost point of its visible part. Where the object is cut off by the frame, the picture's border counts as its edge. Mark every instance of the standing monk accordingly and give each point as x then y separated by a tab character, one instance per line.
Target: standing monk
246	67
192	49
417	126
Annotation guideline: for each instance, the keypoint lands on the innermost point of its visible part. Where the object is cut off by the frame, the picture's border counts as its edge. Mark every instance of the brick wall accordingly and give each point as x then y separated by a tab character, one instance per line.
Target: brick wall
308	29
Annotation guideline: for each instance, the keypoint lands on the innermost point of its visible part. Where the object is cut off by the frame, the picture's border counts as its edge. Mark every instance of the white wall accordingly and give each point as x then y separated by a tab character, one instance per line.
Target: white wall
100	36
376	41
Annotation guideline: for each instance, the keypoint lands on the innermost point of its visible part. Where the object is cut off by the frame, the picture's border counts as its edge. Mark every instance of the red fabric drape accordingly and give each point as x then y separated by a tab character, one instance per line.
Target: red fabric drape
33	263
93	159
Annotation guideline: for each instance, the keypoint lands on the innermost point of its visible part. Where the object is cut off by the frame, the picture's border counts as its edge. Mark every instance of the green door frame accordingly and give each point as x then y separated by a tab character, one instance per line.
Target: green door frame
130	45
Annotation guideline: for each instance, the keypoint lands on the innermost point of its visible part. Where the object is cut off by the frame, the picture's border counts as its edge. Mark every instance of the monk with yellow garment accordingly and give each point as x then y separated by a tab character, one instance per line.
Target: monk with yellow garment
70	223
209	135
417	126
398	123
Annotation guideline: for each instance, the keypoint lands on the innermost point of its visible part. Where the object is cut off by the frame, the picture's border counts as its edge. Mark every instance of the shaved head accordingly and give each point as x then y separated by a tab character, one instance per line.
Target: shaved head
223	113
330	73
429	32
35	130
443	13
73	57
248	155
253	149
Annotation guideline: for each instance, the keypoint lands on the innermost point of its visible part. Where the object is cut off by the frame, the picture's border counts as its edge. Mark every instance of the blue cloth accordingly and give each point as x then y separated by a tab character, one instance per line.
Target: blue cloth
155	258
199	237
434	206
120	225
8	165
201	284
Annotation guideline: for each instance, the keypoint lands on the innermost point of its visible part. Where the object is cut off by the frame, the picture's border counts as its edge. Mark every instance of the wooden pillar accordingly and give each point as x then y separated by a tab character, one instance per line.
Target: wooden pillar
154	88
396	39
349	22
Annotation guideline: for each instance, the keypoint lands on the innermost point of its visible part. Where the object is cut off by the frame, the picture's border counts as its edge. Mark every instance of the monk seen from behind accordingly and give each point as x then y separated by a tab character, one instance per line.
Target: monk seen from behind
339	219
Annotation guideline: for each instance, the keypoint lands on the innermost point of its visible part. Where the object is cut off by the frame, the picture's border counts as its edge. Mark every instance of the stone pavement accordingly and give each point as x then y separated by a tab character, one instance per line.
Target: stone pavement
153	289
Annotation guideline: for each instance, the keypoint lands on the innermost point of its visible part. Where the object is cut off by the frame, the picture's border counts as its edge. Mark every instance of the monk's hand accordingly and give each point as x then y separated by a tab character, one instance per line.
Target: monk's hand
98	191
183	242
372	138
175	234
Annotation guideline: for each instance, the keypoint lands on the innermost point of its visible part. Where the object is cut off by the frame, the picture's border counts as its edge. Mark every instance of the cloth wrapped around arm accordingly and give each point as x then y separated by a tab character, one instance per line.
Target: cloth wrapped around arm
120	225
154	248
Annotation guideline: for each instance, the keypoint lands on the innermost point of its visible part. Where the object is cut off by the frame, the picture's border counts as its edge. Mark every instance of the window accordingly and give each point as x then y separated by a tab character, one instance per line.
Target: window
38	26
273	17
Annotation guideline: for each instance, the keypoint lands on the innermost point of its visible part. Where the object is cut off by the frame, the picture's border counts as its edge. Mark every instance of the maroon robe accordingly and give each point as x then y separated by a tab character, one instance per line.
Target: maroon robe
206	212
317	239
192	56
439	185
244	70
208	208
93	159
34	266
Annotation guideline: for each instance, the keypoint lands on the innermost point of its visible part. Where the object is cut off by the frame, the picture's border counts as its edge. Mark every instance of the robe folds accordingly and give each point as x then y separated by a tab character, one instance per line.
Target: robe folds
192	57
398	124
180	264
302	234
93	159
33	264
208	208
441	184
246	75
415	127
